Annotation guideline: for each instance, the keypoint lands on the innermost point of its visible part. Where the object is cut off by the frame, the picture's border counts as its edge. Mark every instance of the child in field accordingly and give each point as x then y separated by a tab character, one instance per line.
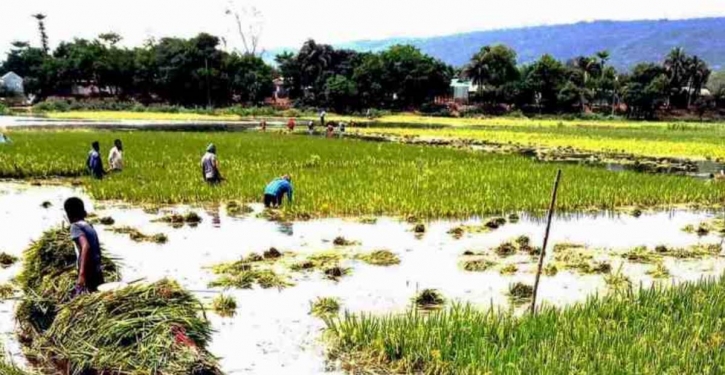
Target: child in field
115	157
275	191
94	163
210	166
87	246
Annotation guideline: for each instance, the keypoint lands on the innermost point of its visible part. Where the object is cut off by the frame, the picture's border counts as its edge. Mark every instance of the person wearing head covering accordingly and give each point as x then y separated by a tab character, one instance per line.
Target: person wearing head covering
291	124
311	127
115	157
94	163
275	191
87	246
210	166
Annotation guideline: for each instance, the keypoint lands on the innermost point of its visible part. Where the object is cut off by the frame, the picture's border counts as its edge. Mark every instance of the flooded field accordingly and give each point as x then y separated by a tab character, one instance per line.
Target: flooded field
273	331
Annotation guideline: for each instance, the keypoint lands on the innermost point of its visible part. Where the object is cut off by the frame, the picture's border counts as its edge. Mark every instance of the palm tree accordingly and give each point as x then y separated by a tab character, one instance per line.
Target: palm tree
698	73
478	70
675	65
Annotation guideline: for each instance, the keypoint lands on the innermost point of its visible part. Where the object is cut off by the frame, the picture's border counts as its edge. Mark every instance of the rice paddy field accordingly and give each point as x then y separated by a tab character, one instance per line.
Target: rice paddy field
340	177
393	258
693	141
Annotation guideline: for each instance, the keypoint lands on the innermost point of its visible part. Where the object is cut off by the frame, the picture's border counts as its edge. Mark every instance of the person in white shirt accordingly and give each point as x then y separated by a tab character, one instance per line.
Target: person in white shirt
115	157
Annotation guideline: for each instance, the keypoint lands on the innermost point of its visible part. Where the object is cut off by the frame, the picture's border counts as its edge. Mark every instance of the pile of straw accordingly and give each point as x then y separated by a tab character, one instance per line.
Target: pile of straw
155	329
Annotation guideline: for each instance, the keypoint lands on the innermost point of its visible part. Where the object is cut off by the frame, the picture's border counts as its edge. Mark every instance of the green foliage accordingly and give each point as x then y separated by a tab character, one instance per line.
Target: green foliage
677	330
325	307
356	178
225	306
429	299
380	258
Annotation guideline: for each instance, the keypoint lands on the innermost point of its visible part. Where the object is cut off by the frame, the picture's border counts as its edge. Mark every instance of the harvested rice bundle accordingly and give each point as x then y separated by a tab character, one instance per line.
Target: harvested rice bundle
155	329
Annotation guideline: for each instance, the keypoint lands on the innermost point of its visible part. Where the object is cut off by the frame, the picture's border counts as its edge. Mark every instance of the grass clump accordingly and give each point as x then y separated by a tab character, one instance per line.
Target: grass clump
477	265
370	220
342	241
7	260
336	272
489	225
225	306
659	272
107	220
272	254
176	220
642	255
6	291
505	249
380	258
618	281
509	269
324	307
551	270
137	236
419	229
46	205
429	299
520	293
642	330
236	209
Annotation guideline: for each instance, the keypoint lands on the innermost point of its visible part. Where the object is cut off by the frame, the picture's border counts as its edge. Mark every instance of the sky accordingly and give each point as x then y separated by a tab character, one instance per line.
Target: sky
287	23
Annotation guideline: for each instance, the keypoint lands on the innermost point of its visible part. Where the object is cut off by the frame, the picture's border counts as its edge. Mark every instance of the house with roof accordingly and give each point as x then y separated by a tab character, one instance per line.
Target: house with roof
11	84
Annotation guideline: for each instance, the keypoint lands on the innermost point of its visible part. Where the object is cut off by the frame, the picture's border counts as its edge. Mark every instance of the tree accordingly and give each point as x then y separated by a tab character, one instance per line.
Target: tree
544	79
697	75
646	90
494	66
250	25
43	35
340	93
111	39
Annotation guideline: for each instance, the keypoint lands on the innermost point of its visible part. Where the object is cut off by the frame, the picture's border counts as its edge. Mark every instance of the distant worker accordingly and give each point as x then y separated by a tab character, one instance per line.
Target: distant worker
342	129
94	163
311	127
263	125
330	130
210	166
4	139
275	191
87	246
115	157
291	125
322	117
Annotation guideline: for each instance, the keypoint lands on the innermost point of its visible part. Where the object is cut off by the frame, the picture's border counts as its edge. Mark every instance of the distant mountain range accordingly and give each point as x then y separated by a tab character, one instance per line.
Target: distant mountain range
629	42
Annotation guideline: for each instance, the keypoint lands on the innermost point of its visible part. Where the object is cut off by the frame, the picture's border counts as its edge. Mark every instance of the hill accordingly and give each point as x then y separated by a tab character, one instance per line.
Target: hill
629	42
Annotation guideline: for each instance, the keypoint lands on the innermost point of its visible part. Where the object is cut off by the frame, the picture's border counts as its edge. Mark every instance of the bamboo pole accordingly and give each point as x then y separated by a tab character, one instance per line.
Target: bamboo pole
546	240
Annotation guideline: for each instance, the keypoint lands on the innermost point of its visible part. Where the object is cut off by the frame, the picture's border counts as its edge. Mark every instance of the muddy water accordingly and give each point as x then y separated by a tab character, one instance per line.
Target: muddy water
273	332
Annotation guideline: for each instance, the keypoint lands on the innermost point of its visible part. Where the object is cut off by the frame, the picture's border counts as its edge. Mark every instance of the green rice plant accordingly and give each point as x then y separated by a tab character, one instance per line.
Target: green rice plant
509	269
380	258
551	270
505	249
363	180
662	330
520	293
618	281
225	306
324	307
477	265
429	299
7	260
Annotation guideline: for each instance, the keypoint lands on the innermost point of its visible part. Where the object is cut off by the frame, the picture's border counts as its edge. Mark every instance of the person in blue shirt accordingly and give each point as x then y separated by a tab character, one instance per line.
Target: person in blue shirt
275	191
87	246
94	163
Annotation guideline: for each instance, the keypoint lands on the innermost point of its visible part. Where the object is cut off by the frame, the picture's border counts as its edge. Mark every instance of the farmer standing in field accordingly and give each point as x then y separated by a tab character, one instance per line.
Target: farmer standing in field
263	125
94	163
115	157
291	125
87	246
210	166
311	127
322	117
275	191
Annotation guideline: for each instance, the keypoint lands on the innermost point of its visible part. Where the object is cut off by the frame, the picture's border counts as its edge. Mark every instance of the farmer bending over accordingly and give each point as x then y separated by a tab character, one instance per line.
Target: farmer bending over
275	191
87	246
210	166
94	163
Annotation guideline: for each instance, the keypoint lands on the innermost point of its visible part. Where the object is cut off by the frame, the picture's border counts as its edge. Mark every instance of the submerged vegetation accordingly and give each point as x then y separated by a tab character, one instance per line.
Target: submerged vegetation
429	299
358	178
642	330
380	258
136	235
324	307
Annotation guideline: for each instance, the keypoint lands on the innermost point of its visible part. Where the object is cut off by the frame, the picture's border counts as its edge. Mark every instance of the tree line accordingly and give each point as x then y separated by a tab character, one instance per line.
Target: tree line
199	72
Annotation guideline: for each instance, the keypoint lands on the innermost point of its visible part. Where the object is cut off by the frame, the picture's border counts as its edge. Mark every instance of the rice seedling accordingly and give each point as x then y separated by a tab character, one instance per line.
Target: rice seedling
6	291
7	260
551	270
513	218
365	181
641	254
520	293
505	249
509	269
477	265
176	220
618	281
236	209
246	272
663	330
137	236
336	272
225	306
324	307
380	258
419	228
429	299
272	254
697	251
659	272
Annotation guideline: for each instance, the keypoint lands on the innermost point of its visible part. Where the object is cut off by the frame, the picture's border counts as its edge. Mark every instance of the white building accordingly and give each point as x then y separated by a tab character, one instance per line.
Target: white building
12	84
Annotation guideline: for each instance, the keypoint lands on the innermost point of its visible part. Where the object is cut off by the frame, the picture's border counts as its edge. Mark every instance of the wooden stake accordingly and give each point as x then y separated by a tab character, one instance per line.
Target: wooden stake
546	241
